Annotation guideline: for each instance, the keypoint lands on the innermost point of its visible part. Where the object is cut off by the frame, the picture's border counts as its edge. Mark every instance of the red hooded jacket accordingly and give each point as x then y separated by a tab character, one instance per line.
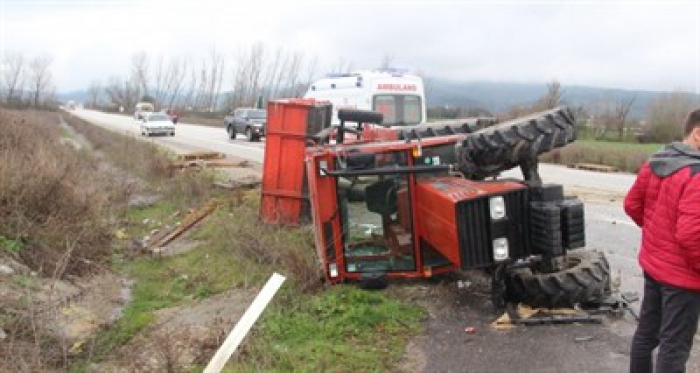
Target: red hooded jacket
665	202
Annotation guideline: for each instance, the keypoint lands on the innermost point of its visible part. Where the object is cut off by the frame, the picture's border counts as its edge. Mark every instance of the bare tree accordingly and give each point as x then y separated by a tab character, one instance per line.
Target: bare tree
125	93
342	66
622	111
159	81
251	74
612	114
14	76
272	75
664	115
190	95
200	94
175	78
216	78
40	78
291	73
94	92
551	99
308	78
139	71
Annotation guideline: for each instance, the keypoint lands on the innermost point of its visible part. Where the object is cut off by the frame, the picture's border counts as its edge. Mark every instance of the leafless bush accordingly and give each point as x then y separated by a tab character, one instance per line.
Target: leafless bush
31	344
54	207
142	159
288	249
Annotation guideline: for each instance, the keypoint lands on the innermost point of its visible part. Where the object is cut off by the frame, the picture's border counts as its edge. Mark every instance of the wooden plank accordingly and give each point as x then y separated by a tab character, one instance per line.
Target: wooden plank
207	164
246	322
189	222
593	167
201	155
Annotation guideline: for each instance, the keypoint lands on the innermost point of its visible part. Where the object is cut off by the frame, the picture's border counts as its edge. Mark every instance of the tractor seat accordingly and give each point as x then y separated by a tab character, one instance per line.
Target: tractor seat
381	197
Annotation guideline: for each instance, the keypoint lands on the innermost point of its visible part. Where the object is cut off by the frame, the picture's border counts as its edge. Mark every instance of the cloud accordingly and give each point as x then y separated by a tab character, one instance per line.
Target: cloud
620	44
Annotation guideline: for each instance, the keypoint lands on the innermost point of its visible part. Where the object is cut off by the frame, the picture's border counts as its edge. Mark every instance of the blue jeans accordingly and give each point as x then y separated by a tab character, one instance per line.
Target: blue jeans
668	320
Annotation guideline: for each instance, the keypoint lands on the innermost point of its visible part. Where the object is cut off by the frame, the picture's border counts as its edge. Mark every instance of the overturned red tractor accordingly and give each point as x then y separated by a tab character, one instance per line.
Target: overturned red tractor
419	201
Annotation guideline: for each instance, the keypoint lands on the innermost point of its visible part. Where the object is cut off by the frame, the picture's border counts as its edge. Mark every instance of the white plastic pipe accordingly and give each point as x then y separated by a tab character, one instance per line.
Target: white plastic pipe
246	322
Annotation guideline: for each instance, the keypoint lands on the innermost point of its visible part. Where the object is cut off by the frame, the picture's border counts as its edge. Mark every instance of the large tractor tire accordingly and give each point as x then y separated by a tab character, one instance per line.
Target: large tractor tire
584	279
503	146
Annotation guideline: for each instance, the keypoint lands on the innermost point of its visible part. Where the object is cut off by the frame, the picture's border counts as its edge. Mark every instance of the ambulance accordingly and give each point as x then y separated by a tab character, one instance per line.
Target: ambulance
399	96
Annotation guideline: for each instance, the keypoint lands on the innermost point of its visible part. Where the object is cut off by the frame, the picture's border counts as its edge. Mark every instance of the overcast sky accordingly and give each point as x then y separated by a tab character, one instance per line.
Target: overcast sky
624	44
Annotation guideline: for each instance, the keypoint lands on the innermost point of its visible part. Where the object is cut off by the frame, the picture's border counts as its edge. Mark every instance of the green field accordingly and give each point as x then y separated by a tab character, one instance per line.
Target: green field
625	156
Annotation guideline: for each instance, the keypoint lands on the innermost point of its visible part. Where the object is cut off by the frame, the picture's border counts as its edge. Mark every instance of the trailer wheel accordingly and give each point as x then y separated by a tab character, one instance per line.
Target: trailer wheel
586	278
360	116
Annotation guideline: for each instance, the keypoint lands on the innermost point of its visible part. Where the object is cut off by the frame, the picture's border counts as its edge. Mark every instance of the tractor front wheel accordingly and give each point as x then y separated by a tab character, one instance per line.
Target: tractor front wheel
585	277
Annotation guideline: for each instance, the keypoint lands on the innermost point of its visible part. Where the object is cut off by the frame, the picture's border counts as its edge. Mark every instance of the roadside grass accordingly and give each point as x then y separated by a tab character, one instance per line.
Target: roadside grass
56	211
204	119
624	156
141	159
343	329
54	207
166	282
307	328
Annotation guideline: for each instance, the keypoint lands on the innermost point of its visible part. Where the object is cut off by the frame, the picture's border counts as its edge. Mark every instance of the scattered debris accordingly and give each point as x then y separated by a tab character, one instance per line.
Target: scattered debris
627	298
593	167
525	315
463	284
201	164
201	155
142	200
120	234
6	270
192	218
233	185
201	160
630	296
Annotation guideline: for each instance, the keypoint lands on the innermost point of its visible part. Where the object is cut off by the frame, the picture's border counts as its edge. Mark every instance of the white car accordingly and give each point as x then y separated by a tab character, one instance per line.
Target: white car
157	124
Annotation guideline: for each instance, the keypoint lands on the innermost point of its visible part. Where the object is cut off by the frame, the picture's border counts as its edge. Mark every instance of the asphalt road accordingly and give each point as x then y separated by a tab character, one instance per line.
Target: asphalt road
445	347
187	137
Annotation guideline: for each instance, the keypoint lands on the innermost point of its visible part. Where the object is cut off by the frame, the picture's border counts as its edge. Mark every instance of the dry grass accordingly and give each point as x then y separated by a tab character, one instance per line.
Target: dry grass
144	160
627	157
260	249
54	205
56	208
149	163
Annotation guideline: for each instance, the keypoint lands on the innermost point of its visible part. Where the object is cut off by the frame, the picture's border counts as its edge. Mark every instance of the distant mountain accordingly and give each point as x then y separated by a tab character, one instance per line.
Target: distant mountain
499	97
496	97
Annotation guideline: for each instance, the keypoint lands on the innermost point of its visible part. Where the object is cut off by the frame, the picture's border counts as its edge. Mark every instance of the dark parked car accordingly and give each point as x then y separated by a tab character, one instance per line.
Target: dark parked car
248	121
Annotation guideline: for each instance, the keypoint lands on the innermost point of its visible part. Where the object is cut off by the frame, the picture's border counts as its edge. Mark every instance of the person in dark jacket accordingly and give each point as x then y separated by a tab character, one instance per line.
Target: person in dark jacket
665	202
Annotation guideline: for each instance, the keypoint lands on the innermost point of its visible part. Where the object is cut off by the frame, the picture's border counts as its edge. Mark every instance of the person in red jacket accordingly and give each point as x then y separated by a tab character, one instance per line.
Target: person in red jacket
665	202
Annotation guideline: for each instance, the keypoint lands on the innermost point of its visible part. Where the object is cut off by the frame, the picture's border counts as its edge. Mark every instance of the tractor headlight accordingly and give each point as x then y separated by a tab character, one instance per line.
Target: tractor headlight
498	208
333	270
500	249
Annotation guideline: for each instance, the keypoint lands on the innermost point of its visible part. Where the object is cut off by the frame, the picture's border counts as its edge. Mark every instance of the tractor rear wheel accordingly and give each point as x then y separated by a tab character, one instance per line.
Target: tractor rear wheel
584	278
503	146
